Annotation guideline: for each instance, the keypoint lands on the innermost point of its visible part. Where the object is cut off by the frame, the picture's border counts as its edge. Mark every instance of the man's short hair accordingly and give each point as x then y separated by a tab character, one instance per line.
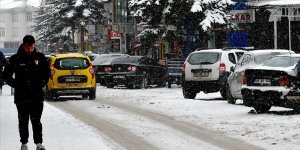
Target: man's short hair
28	39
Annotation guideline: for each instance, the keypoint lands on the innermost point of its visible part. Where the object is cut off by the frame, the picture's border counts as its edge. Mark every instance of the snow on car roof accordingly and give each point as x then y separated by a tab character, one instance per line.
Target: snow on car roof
267	51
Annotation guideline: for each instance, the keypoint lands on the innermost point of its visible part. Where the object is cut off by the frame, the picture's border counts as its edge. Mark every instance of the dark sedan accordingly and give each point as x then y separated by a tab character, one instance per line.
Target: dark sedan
135	71
102	60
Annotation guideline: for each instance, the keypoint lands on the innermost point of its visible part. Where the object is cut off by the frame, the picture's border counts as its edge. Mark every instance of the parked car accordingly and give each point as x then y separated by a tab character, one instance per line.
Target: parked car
208	70
102	60
71	74
274	83
249	59
135	71
174	71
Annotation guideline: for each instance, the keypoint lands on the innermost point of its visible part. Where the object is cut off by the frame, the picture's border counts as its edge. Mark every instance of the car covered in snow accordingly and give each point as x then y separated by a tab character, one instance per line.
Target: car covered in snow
276	82
249	59
135	71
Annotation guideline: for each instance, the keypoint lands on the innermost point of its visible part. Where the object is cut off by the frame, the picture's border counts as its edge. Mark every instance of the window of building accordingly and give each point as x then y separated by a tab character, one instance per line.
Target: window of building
15	31
2	32
29	16
15	18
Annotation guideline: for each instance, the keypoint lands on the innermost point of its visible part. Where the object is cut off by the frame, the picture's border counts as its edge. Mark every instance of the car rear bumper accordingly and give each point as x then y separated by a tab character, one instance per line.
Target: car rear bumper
279	96
123	79
71	91
210	86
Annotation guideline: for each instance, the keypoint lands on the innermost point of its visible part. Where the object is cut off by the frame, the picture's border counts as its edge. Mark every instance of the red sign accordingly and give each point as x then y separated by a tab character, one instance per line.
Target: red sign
114	35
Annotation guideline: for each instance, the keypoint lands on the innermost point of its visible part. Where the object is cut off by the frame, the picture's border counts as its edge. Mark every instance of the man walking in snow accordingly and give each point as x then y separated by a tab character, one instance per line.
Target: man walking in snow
31	73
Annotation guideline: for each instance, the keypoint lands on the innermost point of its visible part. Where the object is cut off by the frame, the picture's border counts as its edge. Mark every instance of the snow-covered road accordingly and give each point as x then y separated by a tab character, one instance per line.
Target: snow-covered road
158	118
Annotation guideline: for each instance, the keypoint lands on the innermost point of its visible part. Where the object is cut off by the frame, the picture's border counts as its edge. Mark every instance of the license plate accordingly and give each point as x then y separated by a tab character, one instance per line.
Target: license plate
201	74
119	77
263	81
72	80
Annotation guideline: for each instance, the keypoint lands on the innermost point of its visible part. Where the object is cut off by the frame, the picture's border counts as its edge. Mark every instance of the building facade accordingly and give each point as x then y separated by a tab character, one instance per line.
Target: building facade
15	23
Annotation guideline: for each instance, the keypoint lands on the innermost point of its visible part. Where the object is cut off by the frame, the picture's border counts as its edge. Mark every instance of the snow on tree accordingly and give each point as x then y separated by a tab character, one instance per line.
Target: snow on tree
59	18
205	13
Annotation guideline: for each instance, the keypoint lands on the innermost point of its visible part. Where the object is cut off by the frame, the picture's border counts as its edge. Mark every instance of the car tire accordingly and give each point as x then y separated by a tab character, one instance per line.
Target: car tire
92	95
223	93
144	83
262	108
230	98
169	84
129	86
161	82
188	93
85	96
109	85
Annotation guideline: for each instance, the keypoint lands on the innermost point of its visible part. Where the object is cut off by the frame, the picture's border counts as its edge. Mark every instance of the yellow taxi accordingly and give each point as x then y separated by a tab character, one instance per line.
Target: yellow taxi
71	74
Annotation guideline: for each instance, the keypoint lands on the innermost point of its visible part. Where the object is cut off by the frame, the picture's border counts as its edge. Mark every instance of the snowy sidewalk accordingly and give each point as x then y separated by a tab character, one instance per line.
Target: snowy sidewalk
61	131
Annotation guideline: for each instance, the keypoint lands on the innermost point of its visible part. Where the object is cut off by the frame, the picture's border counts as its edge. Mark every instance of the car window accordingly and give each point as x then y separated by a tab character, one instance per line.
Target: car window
260	58
102	59
126	60
231	58
204	58
239	55
281	61
71	63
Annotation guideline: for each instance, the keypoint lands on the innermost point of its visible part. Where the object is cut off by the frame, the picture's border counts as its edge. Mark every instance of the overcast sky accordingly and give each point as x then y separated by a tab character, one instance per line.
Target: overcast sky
11	2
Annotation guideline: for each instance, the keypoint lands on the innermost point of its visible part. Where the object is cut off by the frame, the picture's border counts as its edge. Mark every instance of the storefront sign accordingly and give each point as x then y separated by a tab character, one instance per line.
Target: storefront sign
241	16
114	35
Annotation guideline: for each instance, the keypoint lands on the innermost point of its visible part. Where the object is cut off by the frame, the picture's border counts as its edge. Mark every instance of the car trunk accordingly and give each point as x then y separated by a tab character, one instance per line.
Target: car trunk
267	78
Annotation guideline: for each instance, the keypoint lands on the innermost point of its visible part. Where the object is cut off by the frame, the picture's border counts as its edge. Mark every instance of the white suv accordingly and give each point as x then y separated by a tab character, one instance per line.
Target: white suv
208	70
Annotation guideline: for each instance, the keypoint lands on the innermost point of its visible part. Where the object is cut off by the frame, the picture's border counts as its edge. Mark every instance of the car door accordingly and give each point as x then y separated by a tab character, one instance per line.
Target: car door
238	74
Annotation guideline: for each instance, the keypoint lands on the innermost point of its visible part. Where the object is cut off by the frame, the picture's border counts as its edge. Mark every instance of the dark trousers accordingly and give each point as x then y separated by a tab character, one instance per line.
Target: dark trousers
34	112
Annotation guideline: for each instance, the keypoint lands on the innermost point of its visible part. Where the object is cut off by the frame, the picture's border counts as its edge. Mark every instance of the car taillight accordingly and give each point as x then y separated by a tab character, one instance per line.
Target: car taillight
183	69
52	71
283	81
107	69
245	79
222	68
132	68
92	71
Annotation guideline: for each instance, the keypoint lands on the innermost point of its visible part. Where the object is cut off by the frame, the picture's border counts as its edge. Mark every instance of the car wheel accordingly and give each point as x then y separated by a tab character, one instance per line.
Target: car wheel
129	86
188	93
144	83
262	108
162	82
109	85
230	98
84	96
223	93
169	84
92	95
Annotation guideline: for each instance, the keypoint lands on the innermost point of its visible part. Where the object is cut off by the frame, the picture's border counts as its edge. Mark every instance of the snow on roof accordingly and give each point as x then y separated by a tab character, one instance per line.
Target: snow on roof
274	3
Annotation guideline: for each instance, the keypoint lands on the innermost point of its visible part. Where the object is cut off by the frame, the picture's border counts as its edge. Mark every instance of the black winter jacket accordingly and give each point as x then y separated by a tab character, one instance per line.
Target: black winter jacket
31	74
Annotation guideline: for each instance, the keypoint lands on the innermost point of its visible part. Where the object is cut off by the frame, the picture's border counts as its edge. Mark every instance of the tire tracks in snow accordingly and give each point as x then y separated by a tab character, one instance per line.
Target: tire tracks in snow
117	133
129	140
213	137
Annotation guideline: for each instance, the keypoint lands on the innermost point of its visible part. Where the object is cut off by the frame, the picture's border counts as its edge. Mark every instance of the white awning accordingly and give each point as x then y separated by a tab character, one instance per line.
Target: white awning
258	3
